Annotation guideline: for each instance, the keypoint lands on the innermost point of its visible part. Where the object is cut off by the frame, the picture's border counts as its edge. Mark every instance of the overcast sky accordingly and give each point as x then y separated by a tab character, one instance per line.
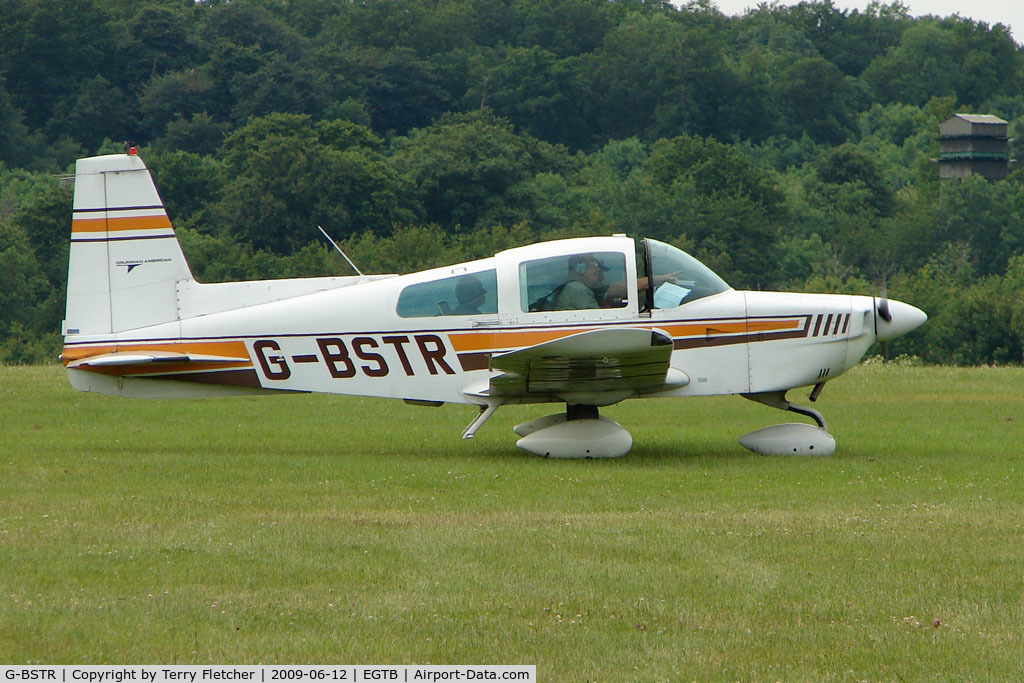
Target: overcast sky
1010	13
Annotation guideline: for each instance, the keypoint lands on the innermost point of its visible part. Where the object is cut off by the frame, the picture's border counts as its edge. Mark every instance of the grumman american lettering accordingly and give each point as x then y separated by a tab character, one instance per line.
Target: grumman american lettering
585	323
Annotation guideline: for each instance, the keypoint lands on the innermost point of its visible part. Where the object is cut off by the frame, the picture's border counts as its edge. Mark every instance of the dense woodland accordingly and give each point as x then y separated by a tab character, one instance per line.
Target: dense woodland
790	148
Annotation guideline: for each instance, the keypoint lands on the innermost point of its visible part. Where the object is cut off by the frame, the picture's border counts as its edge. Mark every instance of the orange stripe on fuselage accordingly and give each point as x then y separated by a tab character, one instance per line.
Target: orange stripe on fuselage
487	341
71	354
119	224
774	325
495	339
731	327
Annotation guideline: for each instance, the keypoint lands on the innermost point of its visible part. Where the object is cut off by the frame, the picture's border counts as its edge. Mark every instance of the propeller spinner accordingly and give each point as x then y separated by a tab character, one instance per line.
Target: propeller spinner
895	318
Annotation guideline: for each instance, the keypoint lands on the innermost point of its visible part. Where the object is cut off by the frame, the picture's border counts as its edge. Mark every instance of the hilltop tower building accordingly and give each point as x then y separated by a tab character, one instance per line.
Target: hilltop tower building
973	143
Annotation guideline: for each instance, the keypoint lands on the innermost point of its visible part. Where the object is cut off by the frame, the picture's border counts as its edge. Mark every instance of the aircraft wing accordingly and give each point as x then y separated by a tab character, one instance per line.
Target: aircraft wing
612	361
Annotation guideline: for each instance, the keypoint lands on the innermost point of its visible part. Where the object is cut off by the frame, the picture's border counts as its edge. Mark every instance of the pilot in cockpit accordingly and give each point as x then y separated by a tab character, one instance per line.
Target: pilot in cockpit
583	282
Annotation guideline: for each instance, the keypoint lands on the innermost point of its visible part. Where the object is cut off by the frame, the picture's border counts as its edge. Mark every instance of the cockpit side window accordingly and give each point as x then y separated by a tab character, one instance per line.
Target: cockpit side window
470	294
573	282
677	277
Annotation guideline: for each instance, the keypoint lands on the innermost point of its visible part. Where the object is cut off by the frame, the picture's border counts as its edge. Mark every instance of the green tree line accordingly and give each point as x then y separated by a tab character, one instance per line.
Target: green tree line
788	148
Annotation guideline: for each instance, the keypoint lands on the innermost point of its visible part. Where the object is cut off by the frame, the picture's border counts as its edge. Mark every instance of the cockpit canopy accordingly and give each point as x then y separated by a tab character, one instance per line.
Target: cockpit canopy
567	275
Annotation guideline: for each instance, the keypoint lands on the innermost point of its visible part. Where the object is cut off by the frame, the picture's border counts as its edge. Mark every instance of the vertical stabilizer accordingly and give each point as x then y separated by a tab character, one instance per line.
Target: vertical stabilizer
125	265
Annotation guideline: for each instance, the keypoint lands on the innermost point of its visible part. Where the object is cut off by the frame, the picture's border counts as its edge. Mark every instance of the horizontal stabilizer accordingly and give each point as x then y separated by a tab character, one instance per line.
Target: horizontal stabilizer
110	360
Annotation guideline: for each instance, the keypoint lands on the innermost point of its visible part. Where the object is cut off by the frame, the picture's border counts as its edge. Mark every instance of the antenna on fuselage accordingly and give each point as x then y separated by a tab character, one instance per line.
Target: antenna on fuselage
340	251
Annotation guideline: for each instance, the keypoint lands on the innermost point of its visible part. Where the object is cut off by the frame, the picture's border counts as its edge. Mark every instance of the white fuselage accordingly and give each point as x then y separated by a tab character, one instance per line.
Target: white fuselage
349	340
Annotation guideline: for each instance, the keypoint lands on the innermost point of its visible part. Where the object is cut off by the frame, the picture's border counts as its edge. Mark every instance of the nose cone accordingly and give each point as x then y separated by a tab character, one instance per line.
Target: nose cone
903	318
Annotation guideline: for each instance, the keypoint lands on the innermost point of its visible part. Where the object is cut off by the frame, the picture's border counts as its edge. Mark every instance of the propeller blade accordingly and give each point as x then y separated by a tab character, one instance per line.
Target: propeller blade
883	309
883	303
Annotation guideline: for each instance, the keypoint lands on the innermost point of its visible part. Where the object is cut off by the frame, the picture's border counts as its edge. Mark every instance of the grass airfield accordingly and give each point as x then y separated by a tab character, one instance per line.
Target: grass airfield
322	529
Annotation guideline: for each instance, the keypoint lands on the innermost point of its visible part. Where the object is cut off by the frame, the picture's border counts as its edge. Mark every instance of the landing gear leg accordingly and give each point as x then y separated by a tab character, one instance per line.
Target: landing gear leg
777	399
580	412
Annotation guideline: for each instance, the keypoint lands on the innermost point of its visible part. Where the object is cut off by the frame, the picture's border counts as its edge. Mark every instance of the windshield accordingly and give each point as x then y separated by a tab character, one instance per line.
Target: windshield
677	277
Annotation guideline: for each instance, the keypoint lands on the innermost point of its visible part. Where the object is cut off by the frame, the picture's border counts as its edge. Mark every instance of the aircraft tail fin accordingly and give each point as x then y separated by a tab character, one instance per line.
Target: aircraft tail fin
126	267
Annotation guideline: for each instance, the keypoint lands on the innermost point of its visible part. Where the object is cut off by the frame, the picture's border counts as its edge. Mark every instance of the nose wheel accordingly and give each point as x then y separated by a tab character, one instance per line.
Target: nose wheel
793	438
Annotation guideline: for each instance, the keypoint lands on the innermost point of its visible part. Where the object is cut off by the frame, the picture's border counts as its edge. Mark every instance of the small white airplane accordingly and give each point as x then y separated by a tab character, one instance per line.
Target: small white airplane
586	322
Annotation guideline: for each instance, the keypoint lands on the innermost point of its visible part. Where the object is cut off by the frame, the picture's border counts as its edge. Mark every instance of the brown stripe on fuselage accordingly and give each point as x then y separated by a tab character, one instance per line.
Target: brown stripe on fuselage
474	361
235	378
143	369
700	342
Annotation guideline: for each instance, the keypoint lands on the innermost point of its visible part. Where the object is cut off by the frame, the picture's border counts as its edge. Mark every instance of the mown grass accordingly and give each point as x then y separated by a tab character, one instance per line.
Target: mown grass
316	529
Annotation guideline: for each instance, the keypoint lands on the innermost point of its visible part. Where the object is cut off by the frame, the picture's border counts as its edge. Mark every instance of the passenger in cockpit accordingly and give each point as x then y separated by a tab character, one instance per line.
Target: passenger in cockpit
470	295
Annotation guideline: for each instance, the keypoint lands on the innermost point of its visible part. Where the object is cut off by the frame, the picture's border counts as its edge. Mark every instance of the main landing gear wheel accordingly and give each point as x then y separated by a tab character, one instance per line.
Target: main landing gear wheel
579	432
